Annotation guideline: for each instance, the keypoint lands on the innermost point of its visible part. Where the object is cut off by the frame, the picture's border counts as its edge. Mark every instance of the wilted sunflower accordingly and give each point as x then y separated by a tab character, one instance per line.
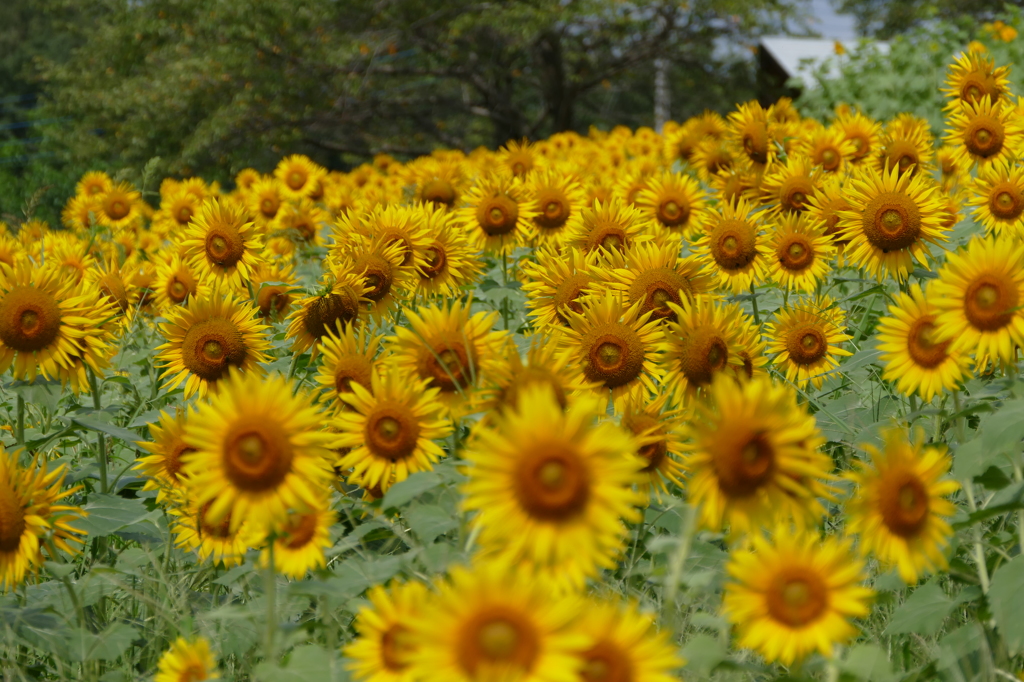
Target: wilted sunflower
259	450
448	263
786	187
752	136
805	338
348	359
899	507
187	661
610	226
222	244
29	516
299	541
557	197
656	430
984	133
752	457
298	176
51	328
699	342
801	252
390	429
998	195
795	594
551	488
914	357
655	275
208	337
731	247
615	346
498	215
974	76
978	297
118	207
491	622
672	201
624	645
891	220
450	347
337	302
381	649
163	466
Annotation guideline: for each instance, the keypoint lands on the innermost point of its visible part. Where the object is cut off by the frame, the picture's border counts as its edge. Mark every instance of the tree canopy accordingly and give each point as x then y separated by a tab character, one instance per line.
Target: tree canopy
888	18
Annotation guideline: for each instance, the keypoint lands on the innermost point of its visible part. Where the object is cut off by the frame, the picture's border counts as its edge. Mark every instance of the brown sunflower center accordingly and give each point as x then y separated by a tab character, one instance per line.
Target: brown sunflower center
393	647
795	253
1005	201
704	353
351	369
568	294
797	596
184	214
178	289
296	179
606	662
552	483
269	206
112	287
434	262
977	84
392	431
300	531
990	301
984	136
448	366
497	636
903	499
324	314
743	462
257	454
615	355
273	300
438	191
924	350
172	463
30	319
553	209
891	221
656	450
755	143
733	244
378	276
117	208
807	344
607	235
224	245
221	529
829	158
794	193
12	519
497	215
902	154
212	346
657	288
673	211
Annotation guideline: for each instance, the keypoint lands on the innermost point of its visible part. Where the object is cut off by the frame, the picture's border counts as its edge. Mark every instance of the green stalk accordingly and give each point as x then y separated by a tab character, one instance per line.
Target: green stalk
101	444
959	419
270	587
979	551
753	297
20	434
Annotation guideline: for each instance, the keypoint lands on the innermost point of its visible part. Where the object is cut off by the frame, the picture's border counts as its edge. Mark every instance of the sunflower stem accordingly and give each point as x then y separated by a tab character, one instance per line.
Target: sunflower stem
20	433
957	418
1019	476
979	551
913	404
101	445
270	587
753	298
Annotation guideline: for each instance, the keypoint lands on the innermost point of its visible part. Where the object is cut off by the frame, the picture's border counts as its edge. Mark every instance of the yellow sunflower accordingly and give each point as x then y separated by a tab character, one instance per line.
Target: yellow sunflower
187	661
752	360
448	263
298	176
120	206
300	221
79	214
390	429
827	148
898	508
29	516
51	328
712	156
907	147
174	282
984	133
914	357
450	347
382	648
752	136
610	226
972	77
786	187
825	207
264	200
699	343
624	645
557	197
553	489
93	184
805	337
337	302
377	262
439	183
206	338
559	282
216	542
655	275
978	298
891	220
800	251
299	541
732	247
518	157
673	201
222	244
998	195
275	286
116	286
491	622
615	346
163	466
862	132
732	185
401	227
795	594
348	359
655	427
498	215
953	175
751	454
177	210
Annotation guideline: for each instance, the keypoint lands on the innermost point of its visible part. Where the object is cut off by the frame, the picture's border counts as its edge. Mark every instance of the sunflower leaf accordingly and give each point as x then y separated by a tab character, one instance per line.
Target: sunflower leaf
406	490
1006	598
923	612
128	437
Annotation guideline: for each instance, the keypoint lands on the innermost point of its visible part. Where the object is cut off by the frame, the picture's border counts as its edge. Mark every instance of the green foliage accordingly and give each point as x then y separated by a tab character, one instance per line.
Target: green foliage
888	18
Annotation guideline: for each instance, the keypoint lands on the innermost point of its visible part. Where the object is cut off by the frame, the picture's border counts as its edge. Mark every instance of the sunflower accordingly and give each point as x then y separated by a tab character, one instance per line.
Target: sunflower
498	215
891	219
275	286
299	541
826	205
448	263
450	347
786	187
615	346
681	143
801	252
712	156
93	184
974	76
827	148
983	133
49	327
732	185
300	221
804	337
492	622
264	200
656	430
795	594
518	157
174	283
390	429
907	147
119	207
385	282
752	136
348	359
953	175
699	343
187	661
29	516
731	247
177	210
673	201
65	251
624	645
338	302
79	214
862	132
206	338
402	225
752	456
630	181
899	508
913	356
222	244
606	226
978	299
381	650
162	467
552	488
557	197
216	542
298	176
751	359
998	195
655	276
439	183
116	286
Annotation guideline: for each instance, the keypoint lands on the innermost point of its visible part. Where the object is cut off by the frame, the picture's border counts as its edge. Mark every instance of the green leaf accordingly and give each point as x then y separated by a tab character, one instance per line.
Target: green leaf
972	459
1006	598
111	513
867	662
403	491
82	645
129	437
703	653
307	662
428	521
923	612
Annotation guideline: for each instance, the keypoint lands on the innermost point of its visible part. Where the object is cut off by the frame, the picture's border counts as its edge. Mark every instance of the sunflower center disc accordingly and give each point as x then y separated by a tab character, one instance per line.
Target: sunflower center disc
732	245
177	291
609	356
272	299
891	221
990	302
797	597
743	463
904	503
807	345
300	531
12	519
921	344
439	192
29	319
1006	203
673	212
296	180
616	357
326	313
553	212
984	136
498	216
210	347
829	159
435	262
224	246
605	662
117	209
184	214
797	256
172	465
392	432
257	456
268	207
552	485
448	367
499	640
704	355
390	648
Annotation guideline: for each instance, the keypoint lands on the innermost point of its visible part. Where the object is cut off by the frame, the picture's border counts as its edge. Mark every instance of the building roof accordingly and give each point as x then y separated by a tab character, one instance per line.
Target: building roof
799	57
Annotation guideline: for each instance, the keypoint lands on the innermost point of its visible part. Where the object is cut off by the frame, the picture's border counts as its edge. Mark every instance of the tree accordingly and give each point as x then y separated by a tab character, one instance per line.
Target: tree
887	18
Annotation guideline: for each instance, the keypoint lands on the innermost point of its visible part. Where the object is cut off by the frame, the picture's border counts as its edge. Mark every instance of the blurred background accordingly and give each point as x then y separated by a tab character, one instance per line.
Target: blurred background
208	87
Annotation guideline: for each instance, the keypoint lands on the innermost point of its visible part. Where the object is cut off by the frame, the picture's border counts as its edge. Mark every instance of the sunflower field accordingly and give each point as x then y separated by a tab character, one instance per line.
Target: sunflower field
734	401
